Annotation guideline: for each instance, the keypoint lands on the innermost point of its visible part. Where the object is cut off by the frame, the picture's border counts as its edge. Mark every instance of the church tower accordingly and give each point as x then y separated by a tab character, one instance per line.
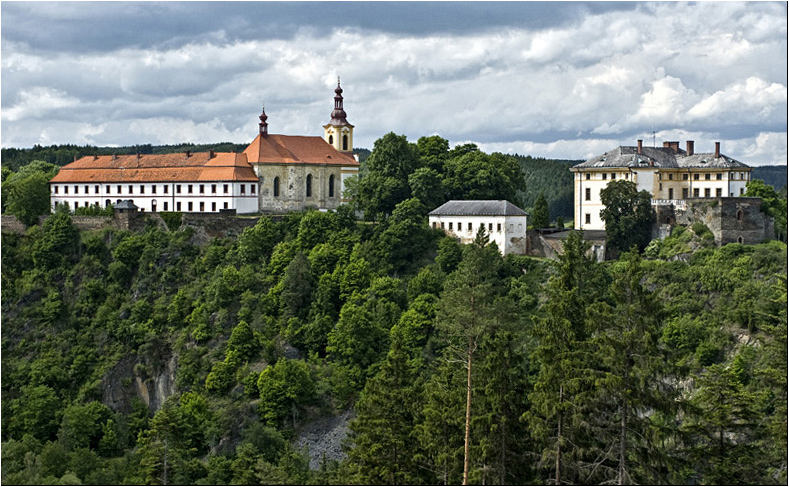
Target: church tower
338	132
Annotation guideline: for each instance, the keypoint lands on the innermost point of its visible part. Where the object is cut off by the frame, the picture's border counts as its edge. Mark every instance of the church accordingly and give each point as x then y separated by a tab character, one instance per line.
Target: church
274	174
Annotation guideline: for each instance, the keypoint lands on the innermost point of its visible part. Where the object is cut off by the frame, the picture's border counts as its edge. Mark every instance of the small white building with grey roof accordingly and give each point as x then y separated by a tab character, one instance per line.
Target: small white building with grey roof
672	176
504	222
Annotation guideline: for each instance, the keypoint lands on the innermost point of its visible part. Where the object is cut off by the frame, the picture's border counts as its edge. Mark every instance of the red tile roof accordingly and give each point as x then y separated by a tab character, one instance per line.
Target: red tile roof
198	166
290	149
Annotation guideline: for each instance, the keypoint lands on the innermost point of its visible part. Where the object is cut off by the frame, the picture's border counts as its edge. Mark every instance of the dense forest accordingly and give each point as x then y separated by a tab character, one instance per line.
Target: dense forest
454	363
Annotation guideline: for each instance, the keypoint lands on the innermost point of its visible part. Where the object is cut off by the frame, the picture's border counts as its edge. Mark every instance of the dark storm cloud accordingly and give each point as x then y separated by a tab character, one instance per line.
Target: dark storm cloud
107	26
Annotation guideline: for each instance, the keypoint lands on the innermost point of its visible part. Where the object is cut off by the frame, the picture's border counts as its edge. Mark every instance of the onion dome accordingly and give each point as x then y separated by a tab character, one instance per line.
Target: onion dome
338	115
263	125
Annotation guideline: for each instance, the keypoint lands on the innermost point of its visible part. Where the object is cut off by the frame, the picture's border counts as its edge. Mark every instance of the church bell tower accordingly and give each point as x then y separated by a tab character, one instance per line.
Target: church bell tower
338	132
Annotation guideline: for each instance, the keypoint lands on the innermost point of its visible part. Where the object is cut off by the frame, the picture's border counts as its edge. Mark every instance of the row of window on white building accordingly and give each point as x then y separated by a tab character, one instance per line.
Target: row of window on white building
469	226
190	188
141	188
744	176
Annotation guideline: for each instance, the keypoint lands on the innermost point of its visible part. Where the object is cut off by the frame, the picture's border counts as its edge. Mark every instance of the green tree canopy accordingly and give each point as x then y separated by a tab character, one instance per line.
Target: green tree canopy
772	205
627	215
540	217
384	175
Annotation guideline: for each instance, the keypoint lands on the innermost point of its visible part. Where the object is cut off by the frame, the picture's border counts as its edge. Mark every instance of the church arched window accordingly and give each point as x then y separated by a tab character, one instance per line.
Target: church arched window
331	140
331	186
276	187
344	142
309	185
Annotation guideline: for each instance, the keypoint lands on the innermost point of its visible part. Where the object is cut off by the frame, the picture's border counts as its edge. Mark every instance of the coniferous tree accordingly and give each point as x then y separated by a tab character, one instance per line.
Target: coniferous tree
383	433
467	314
502	440
441	432
540	217
629	384
563	384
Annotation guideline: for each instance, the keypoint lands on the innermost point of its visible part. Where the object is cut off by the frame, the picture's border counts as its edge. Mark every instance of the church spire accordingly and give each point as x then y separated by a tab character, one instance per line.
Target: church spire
338	133
338	115
263	125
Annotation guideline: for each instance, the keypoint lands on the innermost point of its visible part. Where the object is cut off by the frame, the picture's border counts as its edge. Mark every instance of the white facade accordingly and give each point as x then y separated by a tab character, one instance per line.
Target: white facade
193	197
504	223
666	173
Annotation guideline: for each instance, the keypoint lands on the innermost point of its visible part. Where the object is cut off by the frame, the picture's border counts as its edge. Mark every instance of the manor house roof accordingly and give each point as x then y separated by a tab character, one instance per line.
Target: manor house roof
137	168
478	208
295	149
670	156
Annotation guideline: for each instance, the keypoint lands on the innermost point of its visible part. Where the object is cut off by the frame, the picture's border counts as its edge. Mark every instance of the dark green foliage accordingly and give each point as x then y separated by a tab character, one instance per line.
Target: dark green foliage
549	177
36	412
316	315
629	384
383	435
627	215
27	197
297	285
243	341
284	387
539	216
384	178
172	219
94	210
775	176
562	388
59	242
772	205
449	254
479	176
82	425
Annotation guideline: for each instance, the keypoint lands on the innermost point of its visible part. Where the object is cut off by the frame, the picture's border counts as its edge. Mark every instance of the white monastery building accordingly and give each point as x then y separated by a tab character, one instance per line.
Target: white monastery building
275	173
670	174
504	222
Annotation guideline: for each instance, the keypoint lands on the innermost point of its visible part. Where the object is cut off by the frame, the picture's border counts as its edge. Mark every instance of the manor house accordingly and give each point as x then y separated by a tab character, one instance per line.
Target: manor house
670	174
275	173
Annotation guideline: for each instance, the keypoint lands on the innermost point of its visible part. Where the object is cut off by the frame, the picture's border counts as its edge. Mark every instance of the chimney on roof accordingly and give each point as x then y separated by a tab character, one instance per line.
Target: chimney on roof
114	157
95	156
674	144
640	145
138	156
690	147
188	153
210	154
717	149
75	157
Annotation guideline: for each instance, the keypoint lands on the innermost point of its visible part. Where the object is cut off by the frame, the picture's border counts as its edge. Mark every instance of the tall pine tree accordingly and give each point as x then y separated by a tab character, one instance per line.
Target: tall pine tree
563	384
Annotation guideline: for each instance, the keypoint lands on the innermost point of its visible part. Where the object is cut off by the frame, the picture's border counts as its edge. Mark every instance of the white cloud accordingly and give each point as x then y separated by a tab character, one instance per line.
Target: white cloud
36	102
754	100
664	103
571	91
767	148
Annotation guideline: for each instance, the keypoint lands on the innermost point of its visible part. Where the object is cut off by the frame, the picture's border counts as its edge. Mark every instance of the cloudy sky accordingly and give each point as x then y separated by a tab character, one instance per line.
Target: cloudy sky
555	79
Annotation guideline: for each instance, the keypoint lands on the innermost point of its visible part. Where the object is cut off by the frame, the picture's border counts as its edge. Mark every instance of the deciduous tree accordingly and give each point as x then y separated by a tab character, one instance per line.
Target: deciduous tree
627	215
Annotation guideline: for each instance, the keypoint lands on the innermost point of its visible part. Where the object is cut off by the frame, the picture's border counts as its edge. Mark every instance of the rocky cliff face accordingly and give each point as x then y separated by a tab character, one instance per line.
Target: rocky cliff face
149	378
